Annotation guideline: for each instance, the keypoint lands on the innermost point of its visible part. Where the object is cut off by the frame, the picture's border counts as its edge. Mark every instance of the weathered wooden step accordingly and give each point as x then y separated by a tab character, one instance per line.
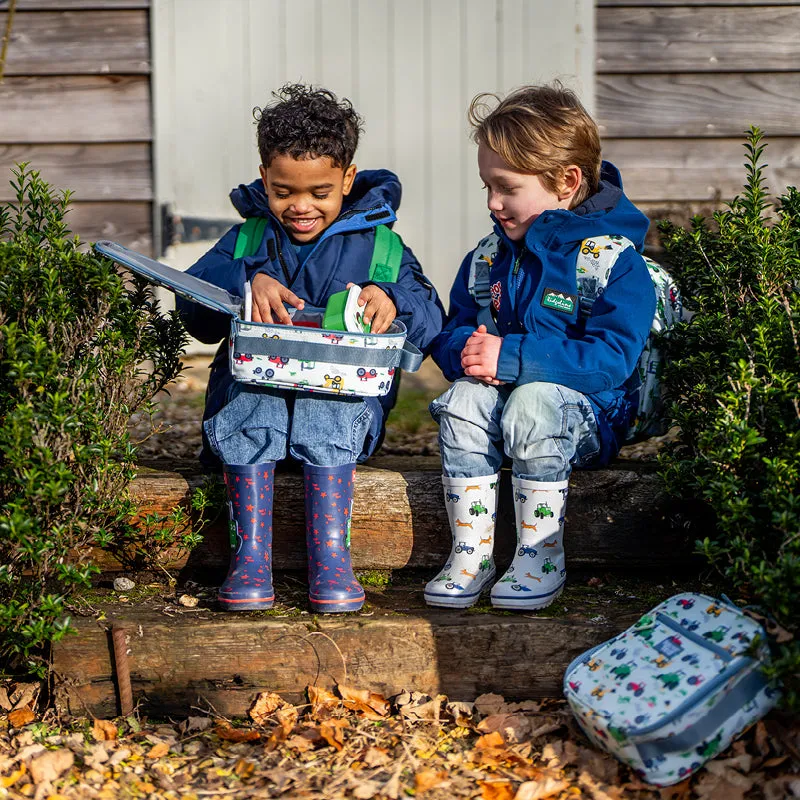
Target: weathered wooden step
179	658
616	518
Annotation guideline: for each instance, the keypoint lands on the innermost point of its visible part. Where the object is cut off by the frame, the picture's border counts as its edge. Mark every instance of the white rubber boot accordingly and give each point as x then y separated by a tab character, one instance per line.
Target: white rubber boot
538	572
471	504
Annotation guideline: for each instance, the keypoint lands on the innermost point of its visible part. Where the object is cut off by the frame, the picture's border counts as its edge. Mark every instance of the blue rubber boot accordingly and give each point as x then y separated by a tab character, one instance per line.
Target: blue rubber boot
249	583
332	587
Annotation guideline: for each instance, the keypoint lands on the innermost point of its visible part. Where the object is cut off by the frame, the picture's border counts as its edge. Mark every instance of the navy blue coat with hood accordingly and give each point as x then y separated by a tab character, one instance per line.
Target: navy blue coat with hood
596	356
342	255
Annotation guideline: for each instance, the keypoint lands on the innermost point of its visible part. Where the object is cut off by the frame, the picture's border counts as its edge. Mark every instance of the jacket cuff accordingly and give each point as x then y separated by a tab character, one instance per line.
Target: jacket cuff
508	364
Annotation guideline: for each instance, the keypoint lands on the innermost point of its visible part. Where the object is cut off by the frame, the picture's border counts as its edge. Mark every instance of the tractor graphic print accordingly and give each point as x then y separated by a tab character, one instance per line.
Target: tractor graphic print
542	510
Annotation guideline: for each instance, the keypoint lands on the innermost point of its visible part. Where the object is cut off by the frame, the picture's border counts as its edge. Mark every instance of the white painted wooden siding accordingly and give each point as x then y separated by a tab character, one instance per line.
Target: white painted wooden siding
409	66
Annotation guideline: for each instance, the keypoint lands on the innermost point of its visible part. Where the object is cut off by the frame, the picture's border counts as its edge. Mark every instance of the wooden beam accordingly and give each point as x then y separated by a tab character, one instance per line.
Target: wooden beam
77	43
698	39
179	658
647	3
75	109
607	512
113	172
677	170
130	224
697	105
70	5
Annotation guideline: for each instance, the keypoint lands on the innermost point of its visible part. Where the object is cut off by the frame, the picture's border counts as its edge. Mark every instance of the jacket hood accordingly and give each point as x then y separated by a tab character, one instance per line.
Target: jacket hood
608	211
372	189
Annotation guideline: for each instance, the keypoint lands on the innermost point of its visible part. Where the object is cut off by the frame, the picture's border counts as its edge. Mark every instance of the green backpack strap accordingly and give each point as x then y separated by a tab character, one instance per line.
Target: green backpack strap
387	253
248	240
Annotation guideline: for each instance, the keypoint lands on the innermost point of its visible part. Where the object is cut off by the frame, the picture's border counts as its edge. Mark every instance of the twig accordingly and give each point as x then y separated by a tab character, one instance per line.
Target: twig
122	670
7	37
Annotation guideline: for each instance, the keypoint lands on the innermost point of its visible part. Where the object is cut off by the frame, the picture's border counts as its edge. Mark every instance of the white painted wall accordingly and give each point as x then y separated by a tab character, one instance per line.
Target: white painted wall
410	67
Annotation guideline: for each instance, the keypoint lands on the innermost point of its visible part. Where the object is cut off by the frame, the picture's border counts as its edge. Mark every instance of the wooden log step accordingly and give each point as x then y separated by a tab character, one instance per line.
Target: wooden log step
616	519
180	658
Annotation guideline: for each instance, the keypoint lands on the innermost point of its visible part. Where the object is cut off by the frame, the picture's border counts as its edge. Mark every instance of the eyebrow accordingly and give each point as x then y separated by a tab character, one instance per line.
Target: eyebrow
279	185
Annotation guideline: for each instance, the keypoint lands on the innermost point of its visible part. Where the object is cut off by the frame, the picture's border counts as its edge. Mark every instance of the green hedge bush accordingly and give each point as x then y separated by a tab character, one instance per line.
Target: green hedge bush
73	338
733	375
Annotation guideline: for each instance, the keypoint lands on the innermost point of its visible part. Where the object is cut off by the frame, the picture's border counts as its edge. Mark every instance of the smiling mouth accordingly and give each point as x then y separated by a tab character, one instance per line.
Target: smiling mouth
302	224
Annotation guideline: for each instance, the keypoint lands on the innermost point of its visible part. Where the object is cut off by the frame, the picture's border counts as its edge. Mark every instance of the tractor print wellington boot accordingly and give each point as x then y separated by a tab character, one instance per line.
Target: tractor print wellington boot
537	574
471	504
332	587
249	582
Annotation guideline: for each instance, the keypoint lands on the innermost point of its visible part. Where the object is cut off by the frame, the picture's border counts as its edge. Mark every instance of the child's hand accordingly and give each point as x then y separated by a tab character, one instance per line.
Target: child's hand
480	355
269	296
378	308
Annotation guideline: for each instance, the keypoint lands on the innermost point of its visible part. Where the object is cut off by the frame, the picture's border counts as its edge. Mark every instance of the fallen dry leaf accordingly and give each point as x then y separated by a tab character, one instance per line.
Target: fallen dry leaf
371	704
323	702
428	779
51	765
332	731
496	790
21	717
512	727
680	791
104	730
231	734
265	705
541	789
487	704
376	756
10	780
158	750
461	712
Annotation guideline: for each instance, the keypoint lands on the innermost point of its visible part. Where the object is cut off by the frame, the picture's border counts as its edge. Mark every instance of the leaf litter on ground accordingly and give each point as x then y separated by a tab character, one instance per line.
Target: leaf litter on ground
355	743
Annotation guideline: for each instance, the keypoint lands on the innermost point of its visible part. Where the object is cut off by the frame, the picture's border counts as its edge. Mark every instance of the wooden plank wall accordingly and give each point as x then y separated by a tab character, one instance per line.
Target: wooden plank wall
678	84
75	103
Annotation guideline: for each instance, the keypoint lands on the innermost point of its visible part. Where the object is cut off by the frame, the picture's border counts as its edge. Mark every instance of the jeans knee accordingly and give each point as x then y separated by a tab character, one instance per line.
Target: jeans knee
467	399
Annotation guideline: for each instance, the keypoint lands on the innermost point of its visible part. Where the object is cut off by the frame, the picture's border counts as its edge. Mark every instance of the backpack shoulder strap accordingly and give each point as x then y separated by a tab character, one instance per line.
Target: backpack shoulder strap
479	283
387	253
596	259
249	237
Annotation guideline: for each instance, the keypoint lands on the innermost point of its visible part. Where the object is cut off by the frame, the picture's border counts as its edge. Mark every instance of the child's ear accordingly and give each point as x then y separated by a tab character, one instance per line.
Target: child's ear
263	170
349	177
570	182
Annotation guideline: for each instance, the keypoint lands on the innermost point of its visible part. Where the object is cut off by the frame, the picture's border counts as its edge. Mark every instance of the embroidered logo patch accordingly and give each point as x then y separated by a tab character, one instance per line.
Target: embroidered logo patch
496	291
559	301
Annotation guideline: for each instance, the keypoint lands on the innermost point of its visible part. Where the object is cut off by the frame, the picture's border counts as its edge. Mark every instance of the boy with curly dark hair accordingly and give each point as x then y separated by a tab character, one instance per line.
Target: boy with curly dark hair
321	219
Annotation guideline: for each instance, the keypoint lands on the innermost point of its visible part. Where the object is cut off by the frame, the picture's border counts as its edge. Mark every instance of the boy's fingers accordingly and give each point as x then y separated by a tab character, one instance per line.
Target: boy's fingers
288	296
280	312
262	313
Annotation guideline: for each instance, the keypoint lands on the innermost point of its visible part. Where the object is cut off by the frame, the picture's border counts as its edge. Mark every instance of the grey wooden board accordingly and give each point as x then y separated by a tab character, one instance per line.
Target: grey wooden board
78	42
697	169
127	223
698	39
697	104
616	3
92	171
88	108
63	5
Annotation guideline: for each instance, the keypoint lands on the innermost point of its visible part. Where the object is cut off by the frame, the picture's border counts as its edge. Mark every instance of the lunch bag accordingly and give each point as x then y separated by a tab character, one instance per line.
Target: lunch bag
675	688
303	356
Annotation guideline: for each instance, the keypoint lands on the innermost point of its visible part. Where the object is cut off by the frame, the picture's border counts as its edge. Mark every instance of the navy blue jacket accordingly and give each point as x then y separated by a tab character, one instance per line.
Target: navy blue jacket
595	356
342	255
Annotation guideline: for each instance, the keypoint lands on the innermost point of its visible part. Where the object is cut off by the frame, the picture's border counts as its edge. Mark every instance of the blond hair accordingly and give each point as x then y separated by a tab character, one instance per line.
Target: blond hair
540	130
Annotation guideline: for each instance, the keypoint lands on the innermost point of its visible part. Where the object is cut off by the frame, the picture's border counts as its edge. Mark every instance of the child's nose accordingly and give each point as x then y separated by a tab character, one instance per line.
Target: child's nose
493	202
301	204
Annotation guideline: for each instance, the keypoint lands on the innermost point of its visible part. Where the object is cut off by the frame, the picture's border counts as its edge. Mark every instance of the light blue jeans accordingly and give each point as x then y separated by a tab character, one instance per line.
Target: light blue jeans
544	428
258	424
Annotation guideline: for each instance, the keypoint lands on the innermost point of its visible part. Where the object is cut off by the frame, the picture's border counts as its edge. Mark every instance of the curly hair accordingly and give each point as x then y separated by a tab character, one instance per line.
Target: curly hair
540	130
304	121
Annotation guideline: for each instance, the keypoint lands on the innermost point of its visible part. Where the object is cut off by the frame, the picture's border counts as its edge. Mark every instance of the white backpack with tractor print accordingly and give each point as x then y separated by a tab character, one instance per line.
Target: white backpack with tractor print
675	688
596	258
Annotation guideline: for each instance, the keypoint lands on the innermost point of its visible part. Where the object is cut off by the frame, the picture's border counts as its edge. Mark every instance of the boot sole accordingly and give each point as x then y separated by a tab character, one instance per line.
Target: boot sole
534	603
336	606
457	600
250	604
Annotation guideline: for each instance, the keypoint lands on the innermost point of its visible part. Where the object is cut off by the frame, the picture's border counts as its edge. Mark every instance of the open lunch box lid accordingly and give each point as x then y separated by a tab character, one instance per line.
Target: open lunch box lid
181	283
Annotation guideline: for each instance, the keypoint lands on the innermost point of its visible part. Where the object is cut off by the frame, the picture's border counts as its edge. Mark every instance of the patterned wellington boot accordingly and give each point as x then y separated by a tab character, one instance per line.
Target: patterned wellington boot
471	504
332	587
249	582
537	574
